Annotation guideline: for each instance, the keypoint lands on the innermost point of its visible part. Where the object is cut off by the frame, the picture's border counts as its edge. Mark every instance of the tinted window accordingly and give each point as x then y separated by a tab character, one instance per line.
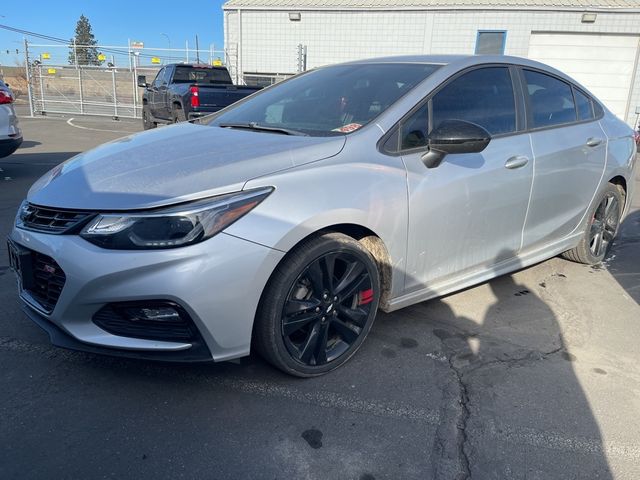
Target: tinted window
583	105
413	132
597	108
490	43
201	75
483	96
550	100
329	101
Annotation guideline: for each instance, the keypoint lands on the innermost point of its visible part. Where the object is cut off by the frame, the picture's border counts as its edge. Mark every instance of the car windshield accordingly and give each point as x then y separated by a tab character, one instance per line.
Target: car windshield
328	101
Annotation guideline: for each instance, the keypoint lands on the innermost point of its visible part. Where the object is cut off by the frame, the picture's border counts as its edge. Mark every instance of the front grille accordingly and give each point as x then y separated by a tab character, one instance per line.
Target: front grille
113	318
51	220
49	279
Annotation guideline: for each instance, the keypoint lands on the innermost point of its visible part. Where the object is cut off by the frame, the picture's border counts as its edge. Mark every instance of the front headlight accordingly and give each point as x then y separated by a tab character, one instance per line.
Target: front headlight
172	227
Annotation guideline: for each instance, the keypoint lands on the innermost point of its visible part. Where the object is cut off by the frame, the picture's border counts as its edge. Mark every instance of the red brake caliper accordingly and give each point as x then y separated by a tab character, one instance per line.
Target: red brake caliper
365	296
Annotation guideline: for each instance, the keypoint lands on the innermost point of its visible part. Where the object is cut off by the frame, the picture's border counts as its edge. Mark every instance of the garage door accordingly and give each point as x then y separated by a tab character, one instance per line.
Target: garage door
602	63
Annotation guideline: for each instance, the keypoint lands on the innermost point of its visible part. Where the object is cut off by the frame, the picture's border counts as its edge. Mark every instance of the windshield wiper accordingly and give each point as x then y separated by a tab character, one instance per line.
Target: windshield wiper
263	128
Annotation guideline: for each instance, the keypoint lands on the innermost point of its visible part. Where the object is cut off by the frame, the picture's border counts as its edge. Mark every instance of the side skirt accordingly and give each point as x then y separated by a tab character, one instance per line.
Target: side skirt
484	274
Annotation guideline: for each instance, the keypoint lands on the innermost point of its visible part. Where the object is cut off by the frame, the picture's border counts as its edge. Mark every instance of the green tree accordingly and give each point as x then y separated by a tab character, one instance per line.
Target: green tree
83	52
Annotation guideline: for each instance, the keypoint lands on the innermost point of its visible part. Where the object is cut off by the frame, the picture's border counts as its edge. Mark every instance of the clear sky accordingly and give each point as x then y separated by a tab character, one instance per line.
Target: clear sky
113	22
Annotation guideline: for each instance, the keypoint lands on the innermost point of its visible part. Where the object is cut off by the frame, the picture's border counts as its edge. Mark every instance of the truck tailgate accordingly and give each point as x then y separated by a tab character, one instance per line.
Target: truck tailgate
223	96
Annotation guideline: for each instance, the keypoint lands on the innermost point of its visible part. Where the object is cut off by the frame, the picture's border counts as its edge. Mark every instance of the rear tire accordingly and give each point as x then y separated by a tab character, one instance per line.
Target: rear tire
318	306
600	228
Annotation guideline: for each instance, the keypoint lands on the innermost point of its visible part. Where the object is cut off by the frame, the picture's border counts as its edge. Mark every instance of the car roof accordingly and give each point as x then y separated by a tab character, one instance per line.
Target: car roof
427	59
466	60
459	62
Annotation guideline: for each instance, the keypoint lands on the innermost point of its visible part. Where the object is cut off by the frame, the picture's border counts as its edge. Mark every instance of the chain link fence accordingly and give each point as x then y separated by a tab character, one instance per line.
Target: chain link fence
56	84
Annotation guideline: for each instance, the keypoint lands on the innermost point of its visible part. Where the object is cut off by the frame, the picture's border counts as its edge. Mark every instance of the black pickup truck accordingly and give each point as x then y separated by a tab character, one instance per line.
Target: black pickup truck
181	92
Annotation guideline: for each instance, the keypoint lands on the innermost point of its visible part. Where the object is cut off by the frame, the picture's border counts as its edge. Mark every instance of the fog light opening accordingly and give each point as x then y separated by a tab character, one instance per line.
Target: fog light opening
154	314
151	320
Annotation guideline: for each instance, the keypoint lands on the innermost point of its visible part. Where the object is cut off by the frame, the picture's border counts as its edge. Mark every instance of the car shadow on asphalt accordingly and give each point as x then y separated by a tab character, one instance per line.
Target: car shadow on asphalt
31	160
29	144
623	262
514	407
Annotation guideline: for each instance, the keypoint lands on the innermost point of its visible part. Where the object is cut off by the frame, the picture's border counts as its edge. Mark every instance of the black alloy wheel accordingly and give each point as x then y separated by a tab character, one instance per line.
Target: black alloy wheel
318	306
600	227
327	308
604	225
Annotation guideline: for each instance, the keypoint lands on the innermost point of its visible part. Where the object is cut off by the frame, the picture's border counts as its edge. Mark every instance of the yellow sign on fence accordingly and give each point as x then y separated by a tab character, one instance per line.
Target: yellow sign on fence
46	56
51	71
155	60
217	62
102	57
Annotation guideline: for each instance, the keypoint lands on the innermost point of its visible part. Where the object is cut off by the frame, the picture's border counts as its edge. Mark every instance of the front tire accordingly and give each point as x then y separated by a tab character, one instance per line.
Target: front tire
178	114
147	122
600	228
318	306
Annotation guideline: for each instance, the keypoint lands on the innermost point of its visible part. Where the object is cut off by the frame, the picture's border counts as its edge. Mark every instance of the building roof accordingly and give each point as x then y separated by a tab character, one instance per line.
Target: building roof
581	5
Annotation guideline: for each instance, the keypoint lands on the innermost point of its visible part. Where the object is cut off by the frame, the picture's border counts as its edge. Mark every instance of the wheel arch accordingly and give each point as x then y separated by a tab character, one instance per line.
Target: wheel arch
376	247
621	182
371	241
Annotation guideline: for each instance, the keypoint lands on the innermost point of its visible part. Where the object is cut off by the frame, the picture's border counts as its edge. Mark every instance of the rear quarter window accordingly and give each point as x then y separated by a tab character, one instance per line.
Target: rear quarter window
583	105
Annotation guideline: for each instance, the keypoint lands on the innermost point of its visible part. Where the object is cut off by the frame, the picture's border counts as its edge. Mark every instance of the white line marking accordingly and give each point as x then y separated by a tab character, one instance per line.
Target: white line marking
96	129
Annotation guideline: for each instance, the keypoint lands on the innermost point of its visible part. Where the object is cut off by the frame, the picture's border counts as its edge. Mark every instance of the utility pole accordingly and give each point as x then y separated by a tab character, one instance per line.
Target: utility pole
75	53
197	50
27	66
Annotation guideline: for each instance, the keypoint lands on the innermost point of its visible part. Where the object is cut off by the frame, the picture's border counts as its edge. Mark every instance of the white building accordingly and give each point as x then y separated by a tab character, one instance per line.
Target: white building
595	41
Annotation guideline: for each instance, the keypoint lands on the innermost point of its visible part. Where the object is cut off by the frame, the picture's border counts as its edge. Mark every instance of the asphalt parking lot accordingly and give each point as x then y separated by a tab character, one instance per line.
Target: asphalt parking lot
534	375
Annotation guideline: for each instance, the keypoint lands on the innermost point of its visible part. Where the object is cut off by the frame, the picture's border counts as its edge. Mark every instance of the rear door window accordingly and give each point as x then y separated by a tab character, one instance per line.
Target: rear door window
483	96
550	100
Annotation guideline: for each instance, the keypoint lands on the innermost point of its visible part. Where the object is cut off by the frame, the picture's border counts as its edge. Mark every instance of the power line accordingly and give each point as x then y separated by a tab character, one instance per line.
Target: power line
34	34
125	51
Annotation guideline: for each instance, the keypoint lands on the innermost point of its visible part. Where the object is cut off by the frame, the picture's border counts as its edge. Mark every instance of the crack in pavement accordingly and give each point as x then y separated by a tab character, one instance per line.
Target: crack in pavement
450	459
451	446
531	356
462	421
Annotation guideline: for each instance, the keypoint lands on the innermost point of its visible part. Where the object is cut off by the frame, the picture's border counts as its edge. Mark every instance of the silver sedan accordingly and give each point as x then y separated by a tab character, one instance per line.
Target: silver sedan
285	221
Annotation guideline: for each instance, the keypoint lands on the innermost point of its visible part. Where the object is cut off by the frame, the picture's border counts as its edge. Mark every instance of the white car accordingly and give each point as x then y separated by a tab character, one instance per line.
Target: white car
10	133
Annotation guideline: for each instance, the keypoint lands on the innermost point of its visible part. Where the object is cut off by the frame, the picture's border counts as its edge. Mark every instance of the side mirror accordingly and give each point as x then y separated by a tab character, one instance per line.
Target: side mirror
142	81
454	136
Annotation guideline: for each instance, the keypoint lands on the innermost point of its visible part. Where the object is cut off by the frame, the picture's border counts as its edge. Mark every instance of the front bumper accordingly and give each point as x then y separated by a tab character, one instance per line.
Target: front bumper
9	145
218	283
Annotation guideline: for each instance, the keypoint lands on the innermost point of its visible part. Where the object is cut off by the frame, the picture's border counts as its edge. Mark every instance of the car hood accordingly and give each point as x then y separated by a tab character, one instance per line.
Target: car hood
173	164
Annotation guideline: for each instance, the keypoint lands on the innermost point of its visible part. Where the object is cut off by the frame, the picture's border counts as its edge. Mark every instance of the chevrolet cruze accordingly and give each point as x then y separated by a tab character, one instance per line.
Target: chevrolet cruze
285	221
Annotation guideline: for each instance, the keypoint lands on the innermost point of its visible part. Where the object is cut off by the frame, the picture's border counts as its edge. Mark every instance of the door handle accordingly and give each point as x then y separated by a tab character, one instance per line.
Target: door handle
593	141
516	162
